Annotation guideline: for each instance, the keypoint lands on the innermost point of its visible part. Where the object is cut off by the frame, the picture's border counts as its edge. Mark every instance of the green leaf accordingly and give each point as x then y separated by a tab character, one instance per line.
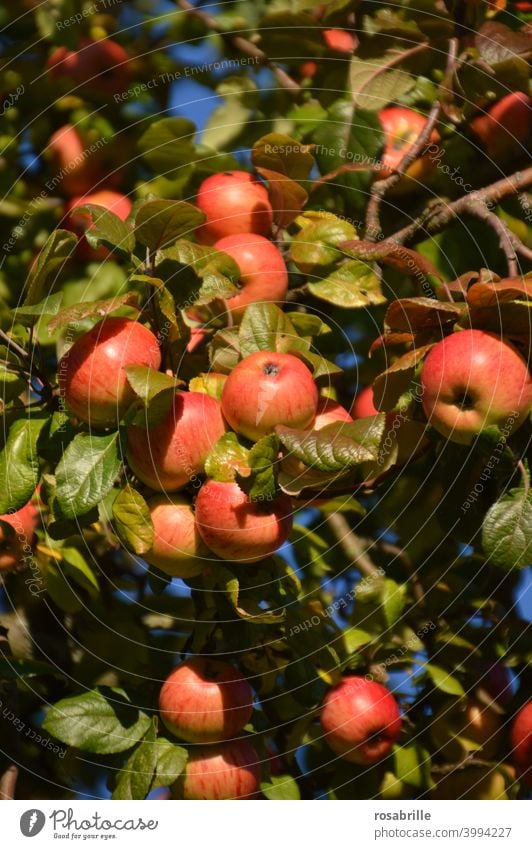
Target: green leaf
132	520
443	681
287	197
136	776
264	327
57	249
49	306
226	458
281	787
89	309
217	270
98	722
19	462
393	600
155	390
169	144
412	765
86	473
354	638
319	366
373	84
108	229
283	154
307	324
74	567
353	284
507	530
12	382
314	247
159	223
171	761
261	483
336	447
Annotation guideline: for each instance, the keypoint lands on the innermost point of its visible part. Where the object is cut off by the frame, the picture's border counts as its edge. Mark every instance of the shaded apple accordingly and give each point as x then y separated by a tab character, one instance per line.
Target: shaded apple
263	273
177	548
228	771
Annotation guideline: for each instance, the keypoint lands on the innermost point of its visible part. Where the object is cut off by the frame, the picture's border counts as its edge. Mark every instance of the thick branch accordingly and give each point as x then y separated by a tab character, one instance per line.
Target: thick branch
352	546
242	45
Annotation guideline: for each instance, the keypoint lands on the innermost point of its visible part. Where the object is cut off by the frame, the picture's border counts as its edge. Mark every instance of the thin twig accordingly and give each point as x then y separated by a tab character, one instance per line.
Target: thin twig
505	239
352	546
242	45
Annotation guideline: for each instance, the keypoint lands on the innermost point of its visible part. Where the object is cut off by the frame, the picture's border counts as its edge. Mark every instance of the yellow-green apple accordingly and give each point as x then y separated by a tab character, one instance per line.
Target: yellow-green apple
68	153
361	720
91	373
476	782
177	546
521	741
339	39
506	126
233	202
471	380
18	543
205	700
263	273
226	771
79	221
103	65
267	389
402	127
171	454
238	528
460	722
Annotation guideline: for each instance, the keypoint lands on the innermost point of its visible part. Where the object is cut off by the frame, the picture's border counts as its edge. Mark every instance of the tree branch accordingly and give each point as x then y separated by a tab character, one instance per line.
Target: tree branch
352	546
502	231
242	45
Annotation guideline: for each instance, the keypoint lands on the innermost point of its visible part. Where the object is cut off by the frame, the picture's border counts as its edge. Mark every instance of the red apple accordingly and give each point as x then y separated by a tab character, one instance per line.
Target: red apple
363	405
263	273
229	771
205	701
238	528
91	373
339	39
267	389
506	126
402	126
234	202
79	222
71	160
521	740
13	547
101	64
177	547
170	455
361	720
308	70
471	380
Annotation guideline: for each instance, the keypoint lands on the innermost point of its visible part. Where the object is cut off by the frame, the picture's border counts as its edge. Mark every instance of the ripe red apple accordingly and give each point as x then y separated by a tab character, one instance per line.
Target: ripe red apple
361	720
363	405
402	126
177	547
471	380
169	455
339	39
68	152
521	741
460	721
228	771
79	222
205	701
237	528
91	373
263	273
14	546
103	65
308	70
267	389
506	126
234	202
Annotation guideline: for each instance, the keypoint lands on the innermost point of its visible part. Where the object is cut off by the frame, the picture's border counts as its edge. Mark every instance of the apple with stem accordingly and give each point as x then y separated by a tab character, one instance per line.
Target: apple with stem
473	379
263	272
361	720
205	700
227	771
177	549
238	528
267	389
233	202
171	454
92	380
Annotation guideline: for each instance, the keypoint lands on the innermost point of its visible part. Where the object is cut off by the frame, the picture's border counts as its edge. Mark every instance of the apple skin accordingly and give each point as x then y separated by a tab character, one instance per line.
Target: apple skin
12	547
171	454
507	125
339	39
103	65
475	782
177	547
228	771
361	720
79	222
205	701
402	127
363	405
521	741
267	389
263	272
233	202
66	147
473	379
91	373
237	528
473	720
